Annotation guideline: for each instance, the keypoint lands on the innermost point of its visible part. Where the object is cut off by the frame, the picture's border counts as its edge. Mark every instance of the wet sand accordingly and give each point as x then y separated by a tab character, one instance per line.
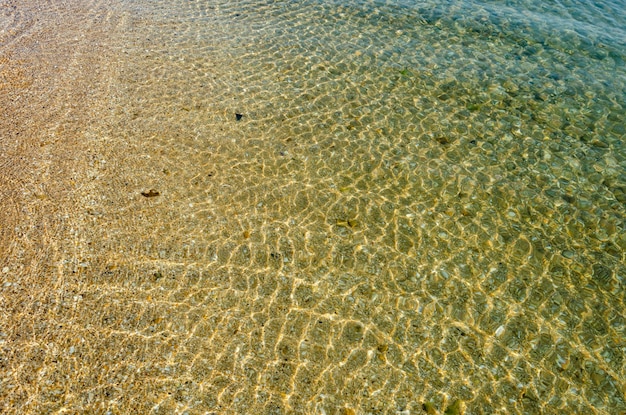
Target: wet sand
54	69
361	240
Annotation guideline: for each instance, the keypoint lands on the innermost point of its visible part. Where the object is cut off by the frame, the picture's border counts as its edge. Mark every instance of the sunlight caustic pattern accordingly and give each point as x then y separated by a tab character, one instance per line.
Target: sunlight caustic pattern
412	213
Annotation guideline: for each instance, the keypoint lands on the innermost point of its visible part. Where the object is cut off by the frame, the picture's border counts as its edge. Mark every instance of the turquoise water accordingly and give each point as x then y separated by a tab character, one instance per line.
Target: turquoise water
355	207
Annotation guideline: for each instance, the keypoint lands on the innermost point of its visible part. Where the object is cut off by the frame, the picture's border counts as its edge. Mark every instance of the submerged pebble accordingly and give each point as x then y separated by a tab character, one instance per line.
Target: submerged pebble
150	193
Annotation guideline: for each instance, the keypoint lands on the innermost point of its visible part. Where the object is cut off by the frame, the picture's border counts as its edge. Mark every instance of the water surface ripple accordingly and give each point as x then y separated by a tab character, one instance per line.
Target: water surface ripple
350	207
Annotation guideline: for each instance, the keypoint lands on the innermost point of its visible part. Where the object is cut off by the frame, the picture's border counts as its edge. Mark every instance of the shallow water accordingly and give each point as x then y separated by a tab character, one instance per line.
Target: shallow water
419	208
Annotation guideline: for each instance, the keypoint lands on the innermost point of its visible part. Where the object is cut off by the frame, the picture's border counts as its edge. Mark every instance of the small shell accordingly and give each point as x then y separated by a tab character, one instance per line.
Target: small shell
499	331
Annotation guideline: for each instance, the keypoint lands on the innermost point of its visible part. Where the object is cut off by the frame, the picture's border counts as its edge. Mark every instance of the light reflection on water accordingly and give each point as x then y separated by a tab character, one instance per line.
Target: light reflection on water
420	208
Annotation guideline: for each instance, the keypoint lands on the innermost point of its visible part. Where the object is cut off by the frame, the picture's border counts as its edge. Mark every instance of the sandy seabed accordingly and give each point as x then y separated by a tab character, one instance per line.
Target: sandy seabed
364	239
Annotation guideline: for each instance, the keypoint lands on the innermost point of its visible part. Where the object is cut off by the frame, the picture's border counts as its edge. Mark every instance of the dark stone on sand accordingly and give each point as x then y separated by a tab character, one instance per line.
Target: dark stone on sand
569	198
150	193
238	117
443	140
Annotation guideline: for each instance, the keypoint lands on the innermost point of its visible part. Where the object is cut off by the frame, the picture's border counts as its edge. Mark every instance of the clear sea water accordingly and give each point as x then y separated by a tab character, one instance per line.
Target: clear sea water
337	207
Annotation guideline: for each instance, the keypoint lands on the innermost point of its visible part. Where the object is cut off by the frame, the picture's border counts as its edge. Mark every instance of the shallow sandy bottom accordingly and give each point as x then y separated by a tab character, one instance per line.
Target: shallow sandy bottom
368	237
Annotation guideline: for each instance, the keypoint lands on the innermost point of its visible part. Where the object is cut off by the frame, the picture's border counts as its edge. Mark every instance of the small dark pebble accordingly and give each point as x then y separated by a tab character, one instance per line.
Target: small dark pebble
150	193
238	117
443	140
569	198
